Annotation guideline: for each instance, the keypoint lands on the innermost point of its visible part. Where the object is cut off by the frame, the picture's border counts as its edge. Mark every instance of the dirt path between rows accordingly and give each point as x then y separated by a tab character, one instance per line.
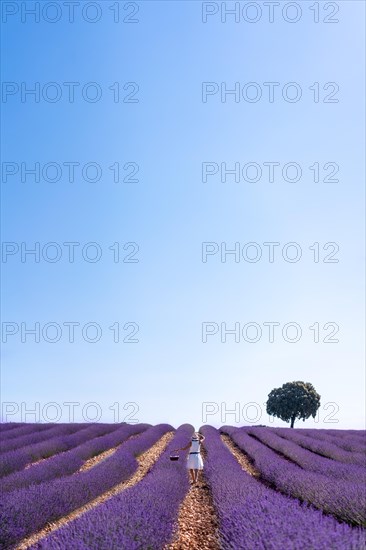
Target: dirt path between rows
240	456
197	527
91	462
145	463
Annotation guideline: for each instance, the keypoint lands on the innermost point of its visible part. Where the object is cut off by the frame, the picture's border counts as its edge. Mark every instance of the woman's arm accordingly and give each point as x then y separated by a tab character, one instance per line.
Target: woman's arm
183	448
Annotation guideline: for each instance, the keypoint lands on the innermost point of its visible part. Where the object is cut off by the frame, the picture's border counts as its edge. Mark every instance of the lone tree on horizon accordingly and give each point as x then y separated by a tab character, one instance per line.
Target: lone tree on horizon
293	400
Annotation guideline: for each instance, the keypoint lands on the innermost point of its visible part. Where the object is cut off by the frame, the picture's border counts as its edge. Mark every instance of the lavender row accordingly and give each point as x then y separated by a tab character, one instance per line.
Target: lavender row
16	460
26	511
25	429
91	441
341	437
36	437
307	459
325	449
347	435
8	426
345	500
351	443
141	517
251	515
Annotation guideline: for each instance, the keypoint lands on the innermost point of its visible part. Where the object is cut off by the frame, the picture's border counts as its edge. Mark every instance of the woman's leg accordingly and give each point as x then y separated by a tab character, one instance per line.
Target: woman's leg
198	475
192	474
195	476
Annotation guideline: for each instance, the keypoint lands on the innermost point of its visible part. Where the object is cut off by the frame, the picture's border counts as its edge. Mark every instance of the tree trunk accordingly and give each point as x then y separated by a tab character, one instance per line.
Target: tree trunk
292	421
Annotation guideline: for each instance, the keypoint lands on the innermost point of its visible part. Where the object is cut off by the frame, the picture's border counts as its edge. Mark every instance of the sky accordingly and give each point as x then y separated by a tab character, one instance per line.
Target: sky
162	135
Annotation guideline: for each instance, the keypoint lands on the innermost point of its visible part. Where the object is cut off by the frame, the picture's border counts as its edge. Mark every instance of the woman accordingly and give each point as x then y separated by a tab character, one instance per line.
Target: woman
194	460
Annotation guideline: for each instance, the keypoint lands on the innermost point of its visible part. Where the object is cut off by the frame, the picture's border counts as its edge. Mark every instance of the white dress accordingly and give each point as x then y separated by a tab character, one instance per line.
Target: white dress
194	459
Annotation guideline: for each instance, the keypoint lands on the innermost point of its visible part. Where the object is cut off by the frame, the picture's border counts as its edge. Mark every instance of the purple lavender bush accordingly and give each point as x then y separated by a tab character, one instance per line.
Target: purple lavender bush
305	458
346	439
26	511
17	459
6	427
325	448
256	517
141	517
24	429
345	500
91	441
37	437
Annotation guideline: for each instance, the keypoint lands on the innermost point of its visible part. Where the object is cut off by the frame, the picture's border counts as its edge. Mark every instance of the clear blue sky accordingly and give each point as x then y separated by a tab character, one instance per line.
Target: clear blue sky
169	212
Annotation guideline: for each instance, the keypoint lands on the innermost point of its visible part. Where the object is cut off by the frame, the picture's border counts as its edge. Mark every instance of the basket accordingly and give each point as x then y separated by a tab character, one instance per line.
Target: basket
174	457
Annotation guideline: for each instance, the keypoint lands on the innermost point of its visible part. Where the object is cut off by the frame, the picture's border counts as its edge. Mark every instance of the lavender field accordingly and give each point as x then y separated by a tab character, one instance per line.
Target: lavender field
113	487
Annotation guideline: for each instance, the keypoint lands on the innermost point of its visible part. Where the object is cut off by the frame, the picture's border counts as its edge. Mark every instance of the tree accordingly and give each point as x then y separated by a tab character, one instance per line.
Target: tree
293	400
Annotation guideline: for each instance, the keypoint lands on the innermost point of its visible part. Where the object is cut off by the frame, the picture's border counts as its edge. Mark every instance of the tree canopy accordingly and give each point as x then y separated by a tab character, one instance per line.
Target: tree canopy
294	400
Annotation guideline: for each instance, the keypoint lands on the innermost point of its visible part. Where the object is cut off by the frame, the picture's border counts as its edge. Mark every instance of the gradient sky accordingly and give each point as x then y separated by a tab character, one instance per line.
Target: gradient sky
169	212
